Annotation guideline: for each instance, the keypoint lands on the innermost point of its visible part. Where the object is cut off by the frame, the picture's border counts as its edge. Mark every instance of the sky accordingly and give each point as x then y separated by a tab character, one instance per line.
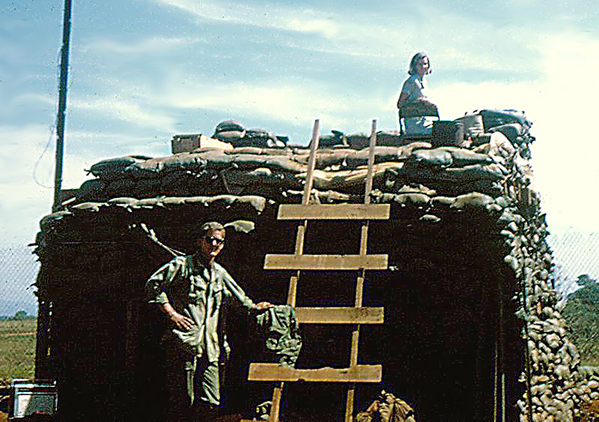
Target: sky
144	70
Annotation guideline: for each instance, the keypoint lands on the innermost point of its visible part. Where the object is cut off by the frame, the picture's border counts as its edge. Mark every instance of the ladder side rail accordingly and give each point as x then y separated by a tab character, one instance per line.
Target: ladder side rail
299	250
353	359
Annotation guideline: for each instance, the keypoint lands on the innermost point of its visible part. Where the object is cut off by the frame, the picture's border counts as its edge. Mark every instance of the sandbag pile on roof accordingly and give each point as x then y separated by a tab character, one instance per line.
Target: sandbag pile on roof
511	123
273	172
236	134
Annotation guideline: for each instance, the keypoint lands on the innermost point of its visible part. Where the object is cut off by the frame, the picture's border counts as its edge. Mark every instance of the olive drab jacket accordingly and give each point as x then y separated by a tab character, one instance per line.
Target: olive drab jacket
201	293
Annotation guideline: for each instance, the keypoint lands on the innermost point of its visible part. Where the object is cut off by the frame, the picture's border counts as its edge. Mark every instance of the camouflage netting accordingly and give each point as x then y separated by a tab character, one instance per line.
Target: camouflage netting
426	186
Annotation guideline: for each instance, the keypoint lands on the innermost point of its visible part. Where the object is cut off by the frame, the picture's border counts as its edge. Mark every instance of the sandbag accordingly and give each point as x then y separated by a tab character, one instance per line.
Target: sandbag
464	157
114	167
274	162
389	138
333	139
146	187
493	118
473	125
431	157
512	131
473	200
173	162
472	173
358	140
262	177
418	199
233	137
228	126
86	207
121	187
259	138
91	189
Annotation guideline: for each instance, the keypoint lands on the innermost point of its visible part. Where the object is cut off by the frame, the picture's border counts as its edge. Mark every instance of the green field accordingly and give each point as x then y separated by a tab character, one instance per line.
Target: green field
17	349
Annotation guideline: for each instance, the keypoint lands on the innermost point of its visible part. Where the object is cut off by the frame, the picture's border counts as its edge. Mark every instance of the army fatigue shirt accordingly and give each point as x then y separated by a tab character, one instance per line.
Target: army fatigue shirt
202	293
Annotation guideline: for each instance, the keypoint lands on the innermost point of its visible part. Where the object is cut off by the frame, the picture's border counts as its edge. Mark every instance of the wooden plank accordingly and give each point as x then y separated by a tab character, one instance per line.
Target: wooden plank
325	262
276	372
339	315
277	395
368	188
334	212
349	403
311	163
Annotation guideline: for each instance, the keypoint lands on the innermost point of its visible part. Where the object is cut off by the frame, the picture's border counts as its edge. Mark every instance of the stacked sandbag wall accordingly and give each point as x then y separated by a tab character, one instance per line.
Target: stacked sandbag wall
555	387
279	174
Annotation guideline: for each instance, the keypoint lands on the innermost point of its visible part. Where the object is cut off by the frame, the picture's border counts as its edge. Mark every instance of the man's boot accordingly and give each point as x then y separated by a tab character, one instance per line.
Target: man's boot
206	412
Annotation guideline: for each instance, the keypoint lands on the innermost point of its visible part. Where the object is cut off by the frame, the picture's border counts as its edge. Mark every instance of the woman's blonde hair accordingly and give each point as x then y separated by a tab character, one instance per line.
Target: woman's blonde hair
414	62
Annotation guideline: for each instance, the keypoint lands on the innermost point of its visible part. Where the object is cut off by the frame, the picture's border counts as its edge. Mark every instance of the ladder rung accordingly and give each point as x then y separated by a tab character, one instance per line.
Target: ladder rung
276	372
325	262
334	212
338	315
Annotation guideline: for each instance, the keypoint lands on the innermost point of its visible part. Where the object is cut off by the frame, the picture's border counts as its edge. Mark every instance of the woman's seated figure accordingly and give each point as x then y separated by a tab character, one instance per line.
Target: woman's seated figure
416	110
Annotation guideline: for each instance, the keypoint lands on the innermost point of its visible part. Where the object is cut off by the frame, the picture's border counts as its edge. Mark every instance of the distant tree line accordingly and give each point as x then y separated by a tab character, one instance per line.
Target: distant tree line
582	314
18	316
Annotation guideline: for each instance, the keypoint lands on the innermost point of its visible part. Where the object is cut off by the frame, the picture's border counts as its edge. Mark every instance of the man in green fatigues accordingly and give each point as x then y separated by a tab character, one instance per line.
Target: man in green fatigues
192	292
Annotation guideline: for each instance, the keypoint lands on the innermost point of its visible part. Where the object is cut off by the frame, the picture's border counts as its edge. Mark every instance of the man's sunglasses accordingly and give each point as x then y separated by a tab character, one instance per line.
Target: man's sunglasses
212	239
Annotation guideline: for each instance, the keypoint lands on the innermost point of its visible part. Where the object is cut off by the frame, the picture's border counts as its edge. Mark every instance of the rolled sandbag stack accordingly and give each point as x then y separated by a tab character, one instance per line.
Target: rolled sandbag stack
335	139
511	123
236	134
261	138
199	173
361	140
229	131
277	173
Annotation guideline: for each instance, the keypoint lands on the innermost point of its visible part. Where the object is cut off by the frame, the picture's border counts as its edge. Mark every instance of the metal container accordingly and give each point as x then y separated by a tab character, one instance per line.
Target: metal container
32	397
447	132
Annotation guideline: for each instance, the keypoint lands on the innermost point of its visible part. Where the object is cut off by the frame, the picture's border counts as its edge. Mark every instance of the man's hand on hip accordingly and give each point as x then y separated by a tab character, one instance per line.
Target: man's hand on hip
264	306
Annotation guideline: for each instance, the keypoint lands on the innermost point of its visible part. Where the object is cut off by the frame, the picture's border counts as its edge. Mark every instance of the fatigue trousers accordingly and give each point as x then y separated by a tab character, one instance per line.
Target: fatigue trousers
193	386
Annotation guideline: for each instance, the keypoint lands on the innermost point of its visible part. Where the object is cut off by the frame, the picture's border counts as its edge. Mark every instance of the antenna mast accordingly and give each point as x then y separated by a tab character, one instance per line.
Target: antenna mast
62	102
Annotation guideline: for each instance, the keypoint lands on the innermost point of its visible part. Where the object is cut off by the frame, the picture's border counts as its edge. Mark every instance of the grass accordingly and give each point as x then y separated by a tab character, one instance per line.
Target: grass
17	349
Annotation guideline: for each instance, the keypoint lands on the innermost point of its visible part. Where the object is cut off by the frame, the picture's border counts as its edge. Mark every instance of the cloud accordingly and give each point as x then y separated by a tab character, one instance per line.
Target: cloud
131	111
384	36
148	46
264	16
27	177
22	200
567	150
561	104
284	100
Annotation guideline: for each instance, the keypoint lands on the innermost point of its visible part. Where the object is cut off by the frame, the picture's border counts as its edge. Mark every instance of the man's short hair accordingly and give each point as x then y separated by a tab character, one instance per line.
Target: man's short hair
211	226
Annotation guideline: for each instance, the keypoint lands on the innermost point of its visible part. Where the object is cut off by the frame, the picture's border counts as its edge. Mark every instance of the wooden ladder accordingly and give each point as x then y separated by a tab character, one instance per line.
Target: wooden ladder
299	261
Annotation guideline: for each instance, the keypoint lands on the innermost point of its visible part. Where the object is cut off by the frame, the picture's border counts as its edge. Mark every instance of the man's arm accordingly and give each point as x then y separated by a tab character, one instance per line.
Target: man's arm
181	321
234	291
156	293
264	306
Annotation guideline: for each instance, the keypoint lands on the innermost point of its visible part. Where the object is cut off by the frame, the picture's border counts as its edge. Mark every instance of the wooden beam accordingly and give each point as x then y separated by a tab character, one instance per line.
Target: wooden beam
338	315
334	212
325	262
311	163
276	372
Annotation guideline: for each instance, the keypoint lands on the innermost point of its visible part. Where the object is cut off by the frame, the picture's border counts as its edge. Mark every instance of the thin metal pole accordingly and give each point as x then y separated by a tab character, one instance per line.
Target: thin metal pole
62	101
